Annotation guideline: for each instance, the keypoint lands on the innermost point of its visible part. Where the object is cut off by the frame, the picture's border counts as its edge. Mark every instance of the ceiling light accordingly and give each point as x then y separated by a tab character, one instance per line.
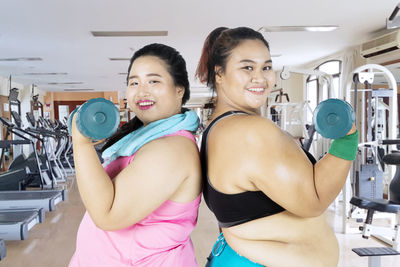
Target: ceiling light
45	73
82	89
276	55
321	28
326	28
123	73
65	83
22	59
119	59
128	33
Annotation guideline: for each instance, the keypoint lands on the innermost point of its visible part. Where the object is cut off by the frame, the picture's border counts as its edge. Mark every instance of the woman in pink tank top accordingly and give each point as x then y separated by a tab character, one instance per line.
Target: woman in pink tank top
143	205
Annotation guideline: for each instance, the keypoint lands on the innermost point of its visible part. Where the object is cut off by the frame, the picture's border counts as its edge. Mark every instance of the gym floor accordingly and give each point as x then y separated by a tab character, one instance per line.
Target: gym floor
52	243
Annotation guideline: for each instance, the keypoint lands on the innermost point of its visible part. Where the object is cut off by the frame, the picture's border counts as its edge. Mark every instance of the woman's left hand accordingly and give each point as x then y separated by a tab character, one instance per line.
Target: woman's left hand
352	130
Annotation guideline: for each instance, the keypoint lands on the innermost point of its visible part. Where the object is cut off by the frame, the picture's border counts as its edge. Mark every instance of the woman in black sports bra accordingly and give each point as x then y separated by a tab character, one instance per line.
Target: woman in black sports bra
267	194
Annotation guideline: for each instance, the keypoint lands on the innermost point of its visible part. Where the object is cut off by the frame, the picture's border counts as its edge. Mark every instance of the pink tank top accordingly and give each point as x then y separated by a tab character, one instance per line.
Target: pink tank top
160	239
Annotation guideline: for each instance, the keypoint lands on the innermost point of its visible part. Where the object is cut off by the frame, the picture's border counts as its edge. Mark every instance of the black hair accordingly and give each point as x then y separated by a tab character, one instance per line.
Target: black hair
176	67
217	48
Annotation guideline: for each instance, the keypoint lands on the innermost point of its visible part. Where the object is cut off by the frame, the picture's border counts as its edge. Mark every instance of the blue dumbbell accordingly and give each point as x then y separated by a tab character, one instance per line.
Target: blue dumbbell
333	118
71	116
96	119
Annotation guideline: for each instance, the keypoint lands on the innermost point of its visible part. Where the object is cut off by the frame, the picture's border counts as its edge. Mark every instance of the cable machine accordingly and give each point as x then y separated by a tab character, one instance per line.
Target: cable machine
366	177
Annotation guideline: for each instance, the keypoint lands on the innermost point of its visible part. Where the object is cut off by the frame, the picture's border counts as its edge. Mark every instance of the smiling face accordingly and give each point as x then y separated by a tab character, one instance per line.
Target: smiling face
152	94
247	79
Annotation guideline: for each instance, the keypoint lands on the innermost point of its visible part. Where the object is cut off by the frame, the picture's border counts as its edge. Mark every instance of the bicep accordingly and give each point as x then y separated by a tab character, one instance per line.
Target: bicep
151	179
285	174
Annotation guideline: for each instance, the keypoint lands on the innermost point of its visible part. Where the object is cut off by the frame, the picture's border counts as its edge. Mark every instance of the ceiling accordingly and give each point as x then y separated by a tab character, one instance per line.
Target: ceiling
59	32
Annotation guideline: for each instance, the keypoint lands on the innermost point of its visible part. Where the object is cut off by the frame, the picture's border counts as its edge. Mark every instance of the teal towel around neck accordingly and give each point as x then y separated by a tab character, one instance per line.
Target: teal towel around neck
130	143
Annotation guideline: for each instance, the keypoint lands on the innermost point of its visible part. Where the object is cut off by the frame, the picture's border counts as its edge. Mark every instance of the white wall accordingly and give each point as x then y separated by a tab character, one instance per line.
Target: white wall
294	88
5	85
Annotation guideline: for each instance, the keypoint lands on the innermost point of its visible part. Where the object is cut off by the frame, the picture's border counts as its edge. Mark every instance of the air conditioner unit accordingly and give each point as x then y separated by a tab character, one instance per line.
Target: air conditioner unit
381	45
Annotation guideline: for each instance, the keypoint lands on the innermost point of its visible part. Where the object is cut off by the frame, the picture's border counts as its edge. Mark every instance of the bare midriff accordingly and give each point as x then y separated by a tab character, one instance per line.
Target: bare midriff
284	240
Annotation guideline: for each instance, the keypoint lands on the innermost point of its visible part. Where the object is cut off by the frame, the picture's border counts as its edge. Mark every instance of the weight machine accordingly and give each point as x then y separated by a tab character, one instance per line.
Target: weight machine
368	151
366	176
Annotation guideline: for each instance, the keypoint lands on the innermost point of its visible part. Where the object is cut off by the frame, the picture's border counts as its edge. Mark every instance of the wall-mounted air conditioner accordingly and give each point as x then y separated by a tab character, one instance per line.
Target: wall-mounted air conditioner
381	45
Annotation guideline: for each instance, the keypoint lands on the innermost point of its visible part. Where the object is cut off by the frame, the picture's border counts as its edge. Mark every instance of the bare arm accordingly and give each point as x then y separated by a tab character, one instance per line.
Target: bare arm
159	168
276	165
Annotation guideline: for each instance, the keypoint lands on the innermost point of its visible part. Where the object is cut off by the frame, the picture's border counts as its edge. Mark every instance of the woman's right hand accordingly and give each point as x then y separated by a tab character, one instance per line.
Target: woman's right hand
77	137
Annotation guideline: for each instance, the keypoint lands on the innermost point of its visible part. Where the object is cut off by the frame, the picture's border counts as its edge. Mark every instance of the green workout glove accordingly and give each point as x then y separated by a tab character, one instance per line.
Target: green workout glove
345	147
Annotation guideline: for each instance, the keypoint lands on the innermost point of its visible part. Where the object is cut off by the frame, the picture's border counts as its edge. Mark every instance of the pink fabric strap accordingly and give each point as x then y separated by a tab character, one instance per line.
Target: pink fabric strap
185	134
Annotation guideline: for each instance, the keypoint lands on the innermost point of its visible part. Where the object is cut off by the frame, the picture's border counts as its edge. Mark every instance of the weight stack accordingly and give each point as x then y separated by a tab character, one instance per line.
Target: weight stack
369	182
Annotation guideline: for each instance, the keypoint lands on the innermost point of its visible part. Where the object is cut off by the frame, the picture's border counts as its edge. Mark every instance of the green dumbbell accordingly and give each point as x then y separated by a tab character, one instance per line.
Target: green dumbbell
96	119
333	118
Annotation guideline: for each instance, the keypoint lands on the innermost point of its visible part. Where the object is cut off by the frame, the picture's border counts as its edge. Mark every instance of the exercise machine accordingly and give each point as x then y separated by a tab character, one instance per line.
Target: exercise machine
365	177
15	224
37	168
44	199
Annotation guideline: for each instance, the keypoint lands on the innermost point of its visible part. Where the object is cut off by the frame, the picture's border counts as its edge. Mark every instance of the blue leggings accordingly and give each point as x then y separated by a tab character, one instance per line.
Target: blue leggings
223	255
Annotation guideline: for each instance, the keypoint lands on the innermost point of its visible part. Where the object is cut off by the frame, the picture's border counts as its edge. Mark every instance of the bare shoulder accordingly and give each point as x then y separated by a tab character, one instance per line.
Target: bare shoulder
245	130
170	148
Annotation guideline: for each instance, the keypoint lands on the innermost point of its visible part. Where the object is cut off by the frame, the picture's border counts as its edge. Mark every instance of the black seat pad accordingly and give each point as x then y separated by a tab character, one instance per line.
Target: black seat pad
392	158
375	251
381	205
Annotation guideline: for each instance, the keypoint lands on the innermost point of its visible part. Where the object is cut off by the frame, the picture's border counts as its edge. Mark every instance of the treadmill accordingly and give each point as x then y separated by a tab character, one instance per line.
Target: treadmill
11	128
16	179
20	211
15	224
45	199
11	199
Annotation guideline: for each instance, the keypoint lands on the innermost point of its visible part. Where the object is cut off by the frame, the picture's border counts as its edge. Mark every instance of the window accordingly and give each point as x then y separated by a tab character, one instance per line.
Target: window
315	94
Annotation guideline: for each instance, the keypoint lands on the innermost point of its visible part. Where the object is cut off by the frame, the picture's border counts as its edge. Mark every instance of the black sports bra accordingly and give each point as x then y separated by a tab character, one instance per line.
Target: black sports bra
234	209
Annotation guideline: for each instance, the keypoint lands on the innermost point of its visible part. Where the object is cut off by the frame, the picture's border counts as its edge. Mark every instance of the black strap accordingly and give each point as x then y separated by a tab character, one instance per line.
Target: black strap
203	148
224	115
